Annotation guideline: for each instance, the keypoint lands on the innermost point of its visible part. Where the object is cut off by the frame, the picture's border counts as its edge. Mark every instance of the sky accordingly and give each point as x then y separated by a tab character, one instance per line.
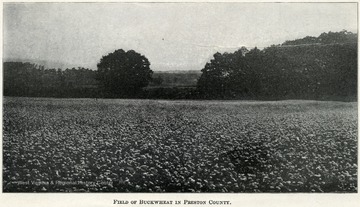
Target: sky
173	36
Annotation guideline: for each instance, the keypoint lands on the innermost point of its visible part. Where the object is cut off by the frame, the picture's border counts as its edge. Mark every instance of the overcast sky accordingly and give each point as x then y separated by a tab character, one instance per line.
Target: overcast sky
173	36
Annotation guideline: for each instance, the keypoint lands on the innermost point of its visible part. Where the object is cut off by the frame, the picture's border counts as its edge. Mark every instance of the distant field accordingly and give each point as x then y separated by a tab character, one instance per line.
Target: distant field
177	78
84	145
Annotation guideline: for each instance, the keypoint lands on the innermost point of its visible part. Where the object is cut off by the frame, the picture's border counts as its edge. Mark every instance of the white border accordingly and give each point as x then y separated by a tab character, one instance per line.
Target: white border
237	199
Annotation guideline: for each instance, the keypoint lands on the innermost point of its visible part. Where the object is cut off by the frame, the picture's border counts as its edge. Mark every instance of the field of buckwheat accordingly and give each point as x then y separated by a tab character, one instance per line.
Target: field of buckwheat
86	145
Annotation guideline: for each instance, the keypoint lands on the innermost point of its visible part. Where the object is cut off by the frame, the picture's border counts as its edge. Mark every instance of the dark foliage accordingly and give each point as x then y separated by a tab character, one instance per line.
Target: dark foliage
27	79
311	68
124	74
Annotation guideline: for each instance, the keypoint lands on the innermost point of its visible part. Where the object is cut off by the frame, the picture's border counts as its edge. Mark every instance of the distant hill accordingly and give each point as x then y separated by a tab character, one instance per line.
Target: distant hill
343	37
175	78
46	63
323	67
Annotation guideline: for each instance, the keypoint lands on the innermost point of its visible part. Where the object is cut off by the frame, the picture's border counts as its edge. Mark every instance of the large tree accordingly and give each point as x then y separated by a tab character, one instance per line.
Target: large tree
124	73
224	76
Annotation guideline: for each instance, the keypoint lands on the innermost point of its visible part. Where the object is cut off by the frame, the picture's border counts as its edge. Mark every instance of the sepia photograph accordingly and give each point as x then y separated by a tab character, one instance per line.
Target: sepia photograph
158	97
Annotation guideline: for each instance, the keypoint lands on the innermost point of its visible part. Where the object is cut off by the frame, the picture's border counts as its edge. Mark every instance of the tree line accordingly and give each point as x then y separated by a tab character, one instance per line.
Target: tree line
32	80
323	67
310	68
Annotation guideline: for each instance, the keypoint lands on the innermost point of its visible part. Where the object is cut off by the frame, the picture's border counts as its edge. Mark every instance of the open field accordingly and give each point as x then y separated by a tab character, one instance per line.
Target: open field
83	145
